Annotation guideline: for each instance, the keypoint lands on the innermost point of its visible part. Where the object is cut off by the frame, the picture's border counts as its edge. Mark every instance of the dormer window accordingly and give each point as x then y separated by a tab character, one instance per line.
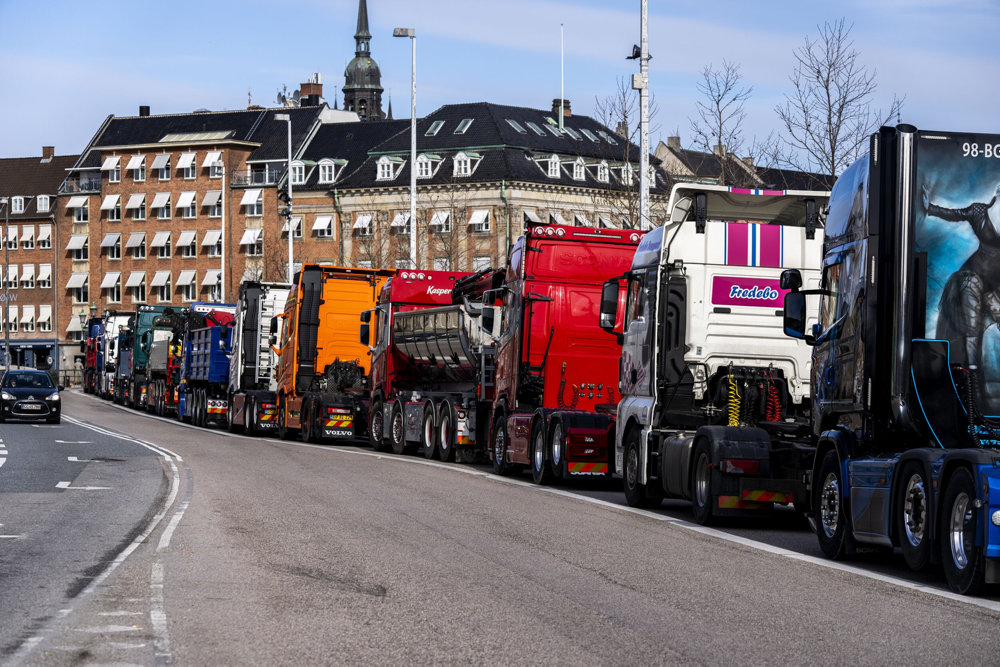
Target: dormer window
17	205
463	126
463	165
553	169
603	172
627	174
388	167
579	170
534	128
423	167
517	126
42	203
298	173
327	171
652	178
434	128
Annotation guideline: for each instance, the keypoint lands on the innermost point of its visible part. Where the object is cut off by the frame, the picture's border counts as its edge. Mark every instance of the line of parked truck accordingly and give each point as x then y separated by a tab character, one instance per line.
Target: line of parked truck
683	360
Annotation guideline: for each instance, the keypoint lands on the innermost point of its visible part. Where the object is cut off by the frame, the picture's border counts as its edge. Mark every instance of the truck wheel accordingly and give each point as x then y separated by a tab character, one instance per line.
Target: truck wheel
249	416
637	494
284	432
540	471
911	516
446	435
831	523
397	429
231	424
702	498
376	426
557	452
202	409
428	435
964	564
499	442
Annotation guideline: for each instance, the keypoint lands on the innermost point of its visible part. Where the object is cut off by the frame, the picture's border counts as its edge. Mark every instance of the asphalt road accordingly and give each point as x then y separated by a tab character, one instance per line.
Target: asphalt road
270	552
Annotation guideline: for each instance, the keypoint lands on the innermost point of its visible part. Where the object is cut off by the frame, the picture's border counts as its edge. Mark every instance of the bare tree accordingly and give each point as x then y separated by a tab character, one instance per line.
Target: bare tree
719	125
829	116
620	112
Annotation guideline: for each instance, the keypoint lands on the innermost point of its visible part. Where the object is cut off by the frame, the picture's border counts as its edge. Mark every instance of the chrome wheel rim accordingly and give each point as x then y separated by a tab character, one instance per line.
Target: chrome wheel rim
444	439
538	451
377	423
557	446
499	446
397	427
829	504
915	510
701	472
428	431
958	535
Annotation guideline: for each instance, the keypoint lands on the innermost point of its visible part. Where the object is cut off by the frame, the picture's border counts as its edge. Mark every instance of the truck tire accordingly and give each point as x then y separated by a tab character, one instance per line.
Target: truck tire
428	435
540	471
963	561
498	442
397	429
835	540
702	498
446	434
912	512
305	419
249	416
376	426
557	452
284	432
637	494
231	424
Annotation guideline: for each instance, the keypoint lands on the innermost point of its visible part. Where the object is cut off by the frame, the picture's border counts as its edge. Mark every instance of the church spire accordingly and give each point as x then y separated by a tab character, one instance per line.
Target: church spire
362	37
362	79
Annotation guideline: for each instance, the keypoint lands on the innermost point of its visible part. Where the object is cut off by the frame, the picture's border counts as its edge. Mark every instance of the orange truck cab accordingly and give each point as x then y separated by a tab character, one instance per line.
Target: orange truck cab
322	372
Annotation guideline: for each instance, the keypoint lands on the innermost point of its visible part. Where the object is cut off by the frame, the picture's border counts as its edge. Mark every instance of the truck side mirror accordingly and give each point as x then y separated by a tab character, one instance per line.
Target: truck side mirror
366	334
700	212
811	219
795	317
609	306
488	319
274	327
791	279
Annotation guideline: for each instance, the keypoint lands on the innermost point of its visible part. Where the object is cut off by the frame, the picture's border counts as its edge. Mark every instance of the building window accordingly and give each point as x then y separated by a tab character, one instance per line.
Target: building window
423	167
45	325
139	172
42	203
115	251
256	249
463	165
163	212
627	174
115	173
82	213
82	253
298	174
163	173
139	293
163	251
81	294
115	293
215	250
44	276
190	291
553	170
603	172
189	250
139	251
534	128
517	126
28	238
28	276
45	237
463	126
115	214
164	292
17	205
191	211
254	209
480	221
434	128
191	170
215	170
326	172
12	238
139	213
578	170
12	276
12	322
385	169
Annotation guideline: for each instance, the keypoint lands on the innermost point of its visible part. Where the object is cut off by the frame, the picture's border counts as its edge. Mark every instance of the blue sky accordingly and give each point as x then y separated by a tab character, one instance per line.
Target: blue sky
67	65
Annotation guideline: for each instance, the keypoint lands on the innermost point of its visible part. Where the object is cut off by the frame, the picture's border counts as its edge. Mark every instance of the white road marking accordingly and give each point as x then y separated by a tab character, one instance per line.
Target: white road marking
119	613
158	614
10	537
66	485
75	442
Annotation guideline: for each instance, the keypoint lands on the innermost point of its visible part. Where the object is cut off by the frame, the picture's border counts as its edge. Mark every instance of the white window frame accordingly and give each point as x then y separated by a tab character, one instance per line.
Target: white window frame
164	295
298	173
434	128
164	172
424	167
45	284
327	171
42	203
139	213
17	204
139	251
552	170
82	213
29	243
115	175
603	172
190	292
579	170
46	243
462	165
463	126
139	173
83	253
115	251
29	281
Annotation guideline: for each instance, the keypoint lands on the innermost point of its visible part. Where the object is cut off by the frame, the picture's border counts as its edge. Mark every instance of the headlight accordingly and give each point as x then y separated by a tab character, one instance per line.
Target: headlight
5	396
54	397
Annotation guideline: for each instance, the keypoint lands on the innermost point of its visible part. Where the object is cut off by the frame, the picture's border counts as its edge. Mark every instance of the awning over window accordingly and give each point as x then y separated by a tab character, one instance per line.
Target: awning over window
77	242
45	314
212	198
12	272
135	201
161	199
479	216
296	222
556	218
45	272
136	278
439	219
364	221
12	315
250	197
581	219
110	202
27	271
29	315
110	240
322	222
186	199
185	160
135	162
212	237
74	324
161	239
186	238
400	220
135	240
211	158
12	234
27	233
111	163
531	216
76	281
44	232
603	222
111	279
251	236
160	279
78	201
211	277
161	160
186	278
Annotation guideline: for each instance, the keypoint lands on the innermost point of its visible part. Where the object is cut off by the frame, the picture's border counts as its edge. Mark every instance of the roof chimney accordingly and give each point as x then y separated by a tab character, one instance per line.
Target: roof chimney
622	129
143	110
311	91
674	143
565	107
48	152
720	150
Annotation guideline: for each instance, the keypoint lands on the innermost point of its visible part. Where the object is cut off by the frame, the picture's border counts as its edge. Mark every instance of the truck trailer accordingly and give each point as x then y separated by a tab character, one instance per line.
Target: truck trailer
432	363
556	371
715	398
204	366
133	374
906	355
92	347
322	376
253	397
114	322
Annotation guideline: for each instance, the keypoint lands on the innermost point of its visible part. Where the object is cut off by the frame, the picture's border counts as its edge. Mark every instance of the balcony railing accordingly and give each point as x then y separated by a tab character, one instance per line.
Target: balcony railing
80	184
255	178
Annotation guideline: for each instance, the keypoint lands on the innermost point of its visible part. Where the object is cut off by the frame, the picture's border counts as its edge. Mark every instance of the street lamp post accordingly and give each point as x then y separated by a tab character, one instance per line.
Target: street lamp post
6	283
409	32
222	266
288	209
